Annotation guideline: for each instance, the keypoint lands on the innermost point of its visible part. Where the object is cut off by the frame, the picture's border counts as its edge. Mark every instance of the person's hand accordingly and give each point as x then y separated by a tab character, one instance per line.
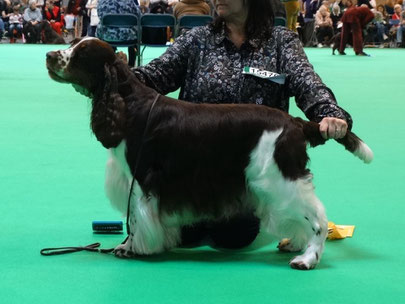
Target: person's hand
331	127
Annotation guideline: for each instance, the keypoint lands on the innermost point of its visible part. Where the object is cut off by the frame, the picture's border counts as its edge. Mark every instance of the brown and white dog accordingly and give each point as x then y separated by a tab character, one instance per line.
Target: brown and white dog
198	161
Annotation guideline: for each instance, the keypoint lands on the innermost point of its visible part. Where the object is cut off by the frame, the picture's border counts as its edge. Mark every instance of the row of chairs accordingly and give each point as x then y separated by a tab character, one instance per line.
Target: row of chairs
156	21
150	21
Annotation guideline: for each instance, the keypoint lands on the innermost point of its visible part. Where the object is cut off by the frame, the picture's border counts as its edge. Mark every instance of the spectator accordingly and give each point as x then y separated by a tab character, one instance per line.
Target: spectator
191	7
354	21
389	7
381	23
78	8
336	16
292	8
399	28
323	25
111	34
160	7
32	28
144	6
15	24
364	2
91	6
6	11
52	13
40	4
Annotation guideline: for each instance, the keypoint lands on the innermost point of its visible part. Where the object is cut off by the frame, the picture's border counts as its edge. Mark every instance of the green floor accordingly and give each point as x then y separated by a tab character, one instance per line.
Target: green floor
51	189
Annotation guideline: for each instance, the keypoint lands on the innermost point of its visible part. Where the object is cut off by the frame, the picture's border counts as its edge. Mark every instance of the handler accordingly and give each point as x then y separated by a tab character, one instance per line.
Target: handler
354	21
242	58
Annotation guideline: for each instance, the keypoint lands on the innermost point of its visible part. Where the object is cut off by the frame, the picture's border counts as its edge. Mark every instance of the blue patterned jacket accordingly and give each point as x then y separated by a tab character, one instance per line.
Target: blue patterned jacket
208	68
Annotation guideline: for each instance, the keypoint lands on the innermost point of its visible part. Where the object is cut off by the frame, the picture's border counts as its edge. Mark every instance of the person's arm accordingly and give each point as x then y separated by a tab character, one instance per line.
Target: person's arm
166	73
39	16
312	96
26	16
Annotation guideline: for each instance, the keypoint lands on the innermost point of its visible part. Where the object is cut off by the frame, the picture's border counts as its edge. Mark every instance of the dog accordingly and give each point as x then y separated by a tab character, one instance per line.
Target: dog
31	33
191	162
335	41
48	34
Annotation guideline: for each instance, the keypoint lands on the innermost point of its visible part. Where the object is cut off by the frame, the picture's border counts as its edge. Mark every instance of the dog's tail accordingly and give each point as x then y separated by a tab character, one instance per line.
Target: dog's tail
351	142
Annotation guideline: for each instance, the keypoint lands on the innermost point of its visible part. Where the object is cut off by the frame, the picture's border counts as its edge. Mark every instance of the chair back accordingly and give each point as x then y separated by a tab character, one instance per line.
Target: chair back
280	21
190	21
122	21
157	20
130	21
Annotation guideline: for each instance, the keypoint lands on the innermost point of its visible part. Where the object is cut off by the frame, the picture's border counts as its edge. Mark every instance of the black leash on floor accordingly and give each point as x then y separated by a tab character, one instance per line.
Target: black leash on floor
95	247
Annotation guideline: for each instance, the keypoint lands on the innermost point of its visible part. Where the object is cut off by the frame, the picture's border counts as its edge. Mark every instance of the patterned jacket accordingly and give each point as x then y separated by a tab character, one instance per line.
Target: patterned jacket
116	7
208	68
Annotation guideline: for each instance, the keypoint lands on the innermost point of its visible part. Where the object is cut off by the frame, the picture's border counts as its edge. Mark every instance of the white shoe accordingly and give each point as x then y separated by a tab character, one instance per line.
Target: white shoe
320	45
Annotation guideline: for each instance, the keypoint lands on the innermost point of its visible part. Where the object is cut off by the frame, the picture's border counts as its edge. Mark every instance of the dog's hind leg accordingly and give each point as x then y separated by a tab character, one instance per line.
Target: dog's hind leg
312	222
287	207
294	214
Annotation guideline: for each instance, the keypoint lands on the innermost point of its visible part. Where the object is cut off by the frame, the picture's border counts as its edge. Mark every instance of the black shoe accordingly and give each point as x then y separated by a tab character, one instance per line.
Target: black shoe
362	54
342	53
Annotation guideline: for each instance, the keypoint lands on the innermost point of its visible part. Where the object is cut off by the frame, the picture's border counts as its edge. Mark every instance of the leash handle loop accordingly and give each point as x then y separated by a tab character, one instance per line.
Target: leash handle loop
65	250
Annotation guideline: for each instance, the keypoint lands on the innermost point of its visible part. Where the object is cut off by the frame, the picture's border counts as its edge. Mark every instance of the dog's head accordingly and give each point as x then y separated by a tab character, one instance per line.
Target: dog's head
91	66
83	64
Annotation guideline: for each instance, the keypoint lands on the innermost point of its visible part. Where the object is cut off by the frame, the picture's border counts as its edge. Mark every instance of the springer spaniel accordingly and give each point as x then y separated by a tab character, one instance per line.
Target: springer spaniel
192	162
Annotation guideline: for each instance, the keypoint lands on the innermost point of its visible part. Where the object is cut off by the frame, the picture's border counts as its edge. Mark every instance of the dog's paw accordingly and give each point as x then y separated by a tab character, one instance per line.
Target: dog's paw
286	245
121	251
303	262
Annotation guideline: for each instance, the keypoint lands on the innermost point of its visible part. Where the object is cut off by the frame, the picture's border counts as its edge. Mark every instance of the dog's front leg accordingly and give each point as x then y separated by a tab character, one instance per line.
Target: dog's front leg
146	234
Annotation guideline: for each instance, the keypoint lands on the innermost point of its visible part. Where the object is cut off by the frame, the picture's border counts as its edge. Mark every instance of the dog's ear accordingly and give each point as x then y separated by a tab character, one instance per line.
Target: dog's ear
108	116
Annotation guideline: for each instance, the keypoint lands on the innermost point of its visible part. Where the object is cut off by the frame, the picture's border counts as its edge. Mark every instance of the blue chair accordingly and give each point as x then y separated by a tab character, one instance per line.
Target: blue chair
280	21
155	21
124	21
187	22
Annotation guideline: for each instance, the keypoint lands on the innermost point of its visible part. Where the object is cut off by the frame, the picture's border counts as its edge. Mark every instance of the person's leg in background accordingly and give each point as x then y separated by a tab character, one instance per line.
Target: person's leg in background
1	28
346	29
131	56
292	9
357	38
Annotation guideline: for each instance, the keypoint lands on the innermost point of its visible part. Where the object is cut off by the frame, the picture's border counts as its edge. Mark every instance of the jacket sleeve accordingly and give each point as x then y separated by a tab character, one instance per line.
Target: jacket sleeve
312	96
166	73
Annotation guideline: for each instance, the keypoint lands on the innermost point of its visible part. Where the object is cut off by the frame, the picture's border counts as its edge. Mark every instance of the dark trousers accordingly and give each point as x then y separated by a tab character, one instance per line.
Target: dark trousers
355	29
322	32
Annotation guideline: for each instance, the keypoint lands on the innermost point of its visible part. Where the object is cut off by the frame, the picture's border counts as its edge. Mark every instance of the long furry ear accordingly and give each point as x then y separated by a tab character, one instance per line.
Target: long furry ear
108	116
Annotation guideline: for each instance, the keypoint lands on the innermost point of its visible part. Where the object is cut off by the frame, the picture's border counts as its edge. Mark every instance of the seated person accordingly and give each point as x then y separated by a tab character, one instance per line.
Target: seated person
191	7
144	6
15	24
323	25
398	28
52	13
32	27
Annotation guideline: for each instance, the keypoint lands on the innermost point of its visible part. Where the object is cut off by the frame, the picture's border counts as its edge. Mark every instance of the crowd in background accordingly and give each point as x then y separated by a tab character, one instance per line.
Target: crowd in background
315	21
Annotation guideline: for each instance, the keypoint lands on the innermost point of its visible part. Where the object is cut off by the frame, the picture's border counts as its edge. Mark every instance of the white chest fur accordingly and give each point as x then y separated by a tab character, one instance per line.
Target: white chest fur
118	178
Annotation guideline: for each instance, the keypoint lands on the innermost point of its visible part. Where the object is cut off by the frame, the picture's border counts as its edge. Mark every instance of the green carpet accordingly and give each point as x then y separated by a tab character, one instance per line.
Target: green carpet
51	187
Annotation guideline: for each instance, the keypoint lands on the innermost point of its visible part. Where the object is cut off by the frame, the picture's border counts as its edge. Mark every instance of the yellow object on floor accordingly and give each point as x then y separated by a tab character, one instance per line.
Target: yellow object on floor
336	232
